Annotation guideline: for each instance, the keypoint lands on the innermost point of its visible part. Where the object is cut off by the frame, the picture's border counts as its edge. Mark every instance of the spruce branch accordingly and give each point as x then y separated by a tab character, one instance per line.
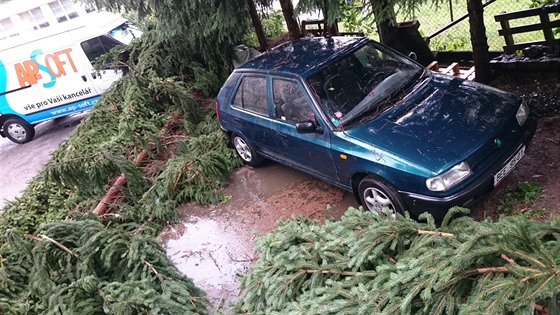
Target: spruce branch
101	207
41	237
437	233
509	260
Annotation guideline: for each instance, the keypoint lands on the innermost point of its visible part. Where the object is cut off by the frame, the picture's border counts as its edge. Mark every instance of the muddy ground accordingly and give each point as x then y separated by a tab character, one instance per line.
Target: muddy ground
213	243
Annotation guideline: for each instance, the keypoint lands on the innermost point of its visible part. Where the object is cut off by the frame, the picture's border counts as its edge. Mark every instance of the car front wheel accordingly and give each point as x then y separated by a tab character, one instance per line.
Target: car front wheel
18	130
247	153
376	195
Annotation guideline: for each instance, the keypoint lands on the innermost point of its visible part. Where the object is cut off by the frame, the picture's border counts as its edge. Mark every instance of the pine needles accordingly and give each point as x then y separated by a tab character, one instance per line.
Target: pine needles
54	261
83	267
366	264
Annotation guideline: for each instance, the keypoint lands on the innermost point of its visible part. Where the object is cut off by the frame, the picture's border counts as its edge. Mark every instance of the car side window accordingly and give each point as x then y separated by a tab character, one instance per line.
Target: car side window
290	103
251	95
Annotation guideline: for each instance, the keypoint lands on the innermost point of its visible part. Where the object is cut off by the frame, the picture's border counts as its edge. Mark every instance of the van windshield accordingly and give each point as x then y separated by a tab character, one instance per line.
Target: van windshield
362	82
126	33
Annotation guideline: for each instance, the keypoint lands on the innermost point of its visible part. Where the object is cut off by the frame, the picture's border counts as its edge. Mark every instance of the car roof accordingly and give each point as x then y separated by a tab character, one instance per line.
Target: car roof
304	56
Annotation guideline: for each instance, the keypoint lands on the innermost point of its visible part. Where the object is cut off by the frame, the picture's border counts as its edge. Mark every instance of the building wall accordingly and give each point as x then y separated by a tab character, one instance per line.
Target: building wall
30	16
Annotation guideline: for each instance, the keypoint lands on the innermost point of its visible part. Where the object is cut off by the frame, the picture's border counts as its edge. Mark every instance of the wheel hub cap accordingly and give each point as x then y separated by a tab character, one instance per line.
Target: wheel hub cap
243	149
17	131
376	200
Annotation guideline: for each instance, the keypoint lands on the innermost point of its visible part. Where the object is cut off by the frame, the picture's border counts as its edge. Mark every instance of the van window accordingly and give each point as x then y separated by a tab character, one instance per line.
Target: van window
98	46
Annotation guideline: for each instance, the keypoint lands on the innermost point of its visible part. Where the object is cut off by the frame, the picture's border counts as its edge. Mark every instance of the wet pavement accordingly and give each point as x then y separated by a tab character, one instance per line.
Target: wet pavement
19	163
212	243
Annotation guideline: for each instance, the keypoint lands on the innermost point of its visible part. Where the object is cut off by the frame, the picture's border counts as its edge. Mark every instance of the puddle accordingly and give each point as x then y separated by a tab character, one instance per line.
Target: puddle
213	243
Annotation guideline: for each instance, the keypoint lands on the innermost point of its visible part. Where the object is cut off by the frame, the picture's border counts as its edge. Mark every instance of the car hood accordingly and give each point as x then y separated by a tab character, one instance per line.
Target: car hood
446	121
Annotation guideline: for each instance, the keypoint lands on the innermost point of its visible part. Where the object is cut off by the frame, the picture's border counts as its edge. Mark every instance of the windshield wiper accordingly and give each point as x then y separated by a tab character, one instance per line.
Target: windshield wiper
384	90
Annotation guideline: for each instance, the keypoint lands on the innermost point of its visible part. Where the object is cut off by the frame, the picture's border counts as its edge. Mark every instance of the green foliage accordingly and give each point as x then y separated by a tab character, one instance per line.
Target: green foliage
76	264
523	193
354	20
367	264
536	3
83	267
448	42
273	26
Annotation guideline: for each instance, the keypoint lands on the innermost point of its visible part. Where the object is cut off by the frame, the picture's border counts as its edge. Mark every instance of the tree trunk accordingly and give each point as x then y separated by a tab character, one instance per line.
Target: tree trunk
331	29
291	22
481	57
388	31
257	25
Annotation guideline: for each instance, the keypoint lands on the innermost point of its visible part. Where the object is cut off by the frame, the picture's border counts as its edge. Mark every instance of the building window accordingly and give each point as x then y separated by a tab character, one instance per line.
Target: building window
63	10
7	29
90	8
34	19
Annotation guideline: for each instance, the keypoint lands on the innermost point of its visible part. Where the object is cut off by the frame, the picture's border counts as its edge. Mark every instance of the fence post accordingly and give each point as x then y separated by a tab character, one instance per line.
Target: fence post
547	28
508	37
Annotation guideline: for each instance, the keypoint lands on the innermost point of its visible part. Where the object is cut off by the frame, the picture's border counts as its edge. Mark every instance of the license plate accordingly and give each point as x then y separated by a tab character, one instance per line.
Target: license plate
510	165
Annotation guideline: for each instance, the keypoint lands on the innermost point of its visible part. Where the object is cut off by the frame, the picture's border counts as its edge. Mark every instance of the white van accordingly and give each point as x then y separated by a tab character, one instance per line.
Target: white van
51	75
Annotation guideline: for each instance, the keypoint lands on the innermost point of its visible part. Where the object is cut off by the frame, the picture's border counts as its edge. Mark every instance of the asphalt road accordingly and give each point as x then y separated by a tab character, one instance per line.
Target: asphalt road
19	163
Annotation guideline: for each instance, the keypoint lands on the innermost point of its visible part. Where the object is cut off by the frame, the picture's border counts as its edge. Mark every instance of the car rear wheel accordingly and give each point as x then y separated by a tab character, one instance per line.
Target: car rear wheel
247	153
18	130
376	195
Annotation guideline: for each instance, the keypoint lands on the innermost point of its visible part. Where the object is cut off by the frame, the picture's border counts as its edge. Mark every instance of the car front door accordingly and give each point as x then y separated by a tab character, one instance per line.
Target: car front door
308	151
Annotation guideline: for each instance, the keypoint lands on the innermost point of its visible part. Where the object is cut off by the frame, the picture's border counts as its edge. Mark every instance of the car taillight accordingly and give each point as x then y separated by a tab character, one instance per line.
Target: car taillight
217	114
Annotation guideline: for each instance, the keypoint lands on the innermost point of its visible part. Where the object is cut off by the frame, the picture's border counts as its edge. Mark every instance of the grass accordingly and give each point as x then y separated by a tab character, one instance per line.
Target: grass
517	199
433	18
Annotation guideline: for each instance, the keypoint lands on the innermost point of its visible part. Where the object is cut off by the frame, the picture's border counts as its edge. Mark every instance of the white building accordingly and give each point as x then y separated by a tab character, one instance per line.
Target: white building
20	17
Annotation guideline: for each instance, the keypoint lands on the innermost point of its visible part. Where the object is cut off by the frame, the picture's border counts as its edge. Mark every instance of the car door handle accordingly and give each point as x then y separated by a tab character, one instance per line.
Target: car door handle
84	78
237	120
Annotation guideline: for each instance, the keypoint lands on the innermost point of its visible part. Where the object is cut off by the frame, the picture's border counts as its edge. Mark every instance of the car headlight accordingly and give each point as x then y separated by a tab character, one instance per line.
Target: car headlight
450	178
522	113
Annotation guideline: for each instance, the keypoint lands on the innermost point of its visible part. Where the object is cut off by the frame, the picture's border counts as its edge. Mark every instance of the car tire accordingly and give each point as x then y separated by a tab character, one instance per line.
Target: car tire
376	194
245	151
18	130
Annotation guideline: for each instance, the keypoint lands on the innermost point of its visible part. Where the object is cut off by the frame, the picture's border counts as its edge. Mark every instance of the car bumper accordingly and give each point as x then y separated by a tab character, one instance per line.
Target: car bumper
438	206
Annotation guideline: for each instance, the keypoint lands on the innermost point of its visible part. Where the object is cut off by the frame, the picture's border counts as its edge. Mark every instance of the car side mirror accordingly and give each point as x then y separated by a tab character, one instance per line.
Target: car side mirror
308	127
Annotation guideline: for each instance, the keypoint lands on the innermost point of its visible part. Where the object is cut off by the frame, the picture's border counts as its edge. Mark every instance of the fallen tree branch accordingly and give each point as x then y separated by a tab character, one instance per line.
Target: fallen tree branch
423	232
41	237
102	206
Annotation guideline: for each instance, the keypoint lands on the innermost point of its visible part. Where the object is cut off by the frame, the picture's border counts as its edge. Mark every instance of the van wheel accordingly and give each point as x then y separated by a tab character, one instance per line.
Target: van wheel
18	130
247	153
376	195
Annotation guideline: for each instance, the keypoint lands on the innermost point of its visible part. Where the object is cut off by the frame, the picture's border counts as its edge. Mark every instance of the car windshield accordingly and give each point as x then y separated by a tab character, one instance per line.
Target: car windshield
362	82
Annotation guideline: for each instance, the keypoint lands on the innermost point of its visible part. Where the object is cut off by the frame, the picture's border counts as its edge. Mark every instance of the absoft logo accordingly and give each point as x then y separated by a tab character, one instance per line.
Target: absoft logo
55	65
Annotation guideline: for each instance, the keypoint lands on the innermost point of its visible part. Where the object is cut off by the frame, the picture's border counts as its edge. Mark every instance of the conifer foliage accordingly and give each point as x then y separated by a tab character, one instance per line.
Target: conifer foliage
366	264
55	258
94	270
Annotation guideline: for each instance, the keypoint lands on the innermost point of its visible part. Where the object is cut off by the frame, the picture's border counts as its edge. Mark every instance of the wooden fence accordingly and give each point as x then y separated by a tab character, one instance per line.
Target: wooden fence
546	25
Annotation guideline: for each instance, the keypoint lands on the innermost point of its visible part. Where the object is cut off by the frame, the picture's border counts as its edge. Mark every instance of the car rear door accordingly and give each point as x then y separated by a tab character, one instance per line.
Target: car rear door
250	114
